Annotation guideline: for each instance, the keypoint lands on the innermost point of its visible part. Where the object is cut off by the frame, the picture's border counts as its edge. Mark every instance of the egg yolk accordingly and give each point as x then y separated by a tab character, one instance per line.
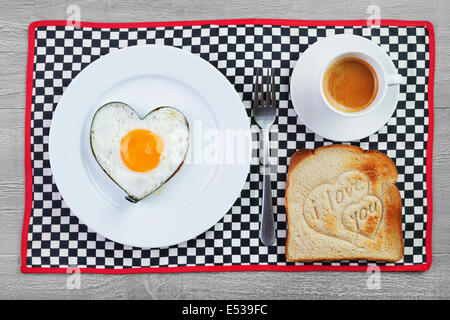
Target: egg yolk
141	150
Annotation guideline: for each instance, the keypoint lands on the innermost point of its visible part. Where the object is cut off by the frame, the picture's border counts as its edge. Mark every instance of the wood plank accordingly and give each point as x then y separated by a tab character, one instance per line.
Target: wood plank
14	19
227	285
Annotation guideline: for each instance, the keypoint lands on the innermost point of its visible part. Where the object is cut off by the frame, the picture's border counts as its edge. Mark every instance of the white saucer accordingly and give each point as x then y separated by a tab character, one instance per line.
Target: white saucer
305	94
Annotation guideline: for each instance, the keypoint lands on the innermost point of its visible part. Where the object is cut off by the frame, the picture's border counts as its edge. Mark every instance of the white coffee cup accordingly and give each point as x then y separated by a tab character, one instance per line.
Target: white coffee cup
384	80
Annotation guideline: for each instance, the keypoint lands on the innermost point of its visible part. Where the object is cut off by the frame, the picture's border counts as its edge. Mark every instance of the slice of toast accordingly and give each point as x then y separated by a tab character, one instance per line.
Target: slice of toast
342	204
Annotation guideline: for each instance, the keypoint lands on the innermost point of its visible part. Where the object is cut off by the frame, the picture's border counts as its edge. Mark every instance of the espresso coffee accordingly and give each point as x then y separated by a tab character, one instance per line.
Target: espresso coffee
350	84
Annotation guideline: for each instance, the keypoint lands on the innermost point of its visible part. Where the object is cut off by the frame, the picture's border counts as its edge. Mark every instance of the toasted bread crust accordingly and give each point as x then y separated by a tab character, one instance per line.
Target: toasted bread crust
382	174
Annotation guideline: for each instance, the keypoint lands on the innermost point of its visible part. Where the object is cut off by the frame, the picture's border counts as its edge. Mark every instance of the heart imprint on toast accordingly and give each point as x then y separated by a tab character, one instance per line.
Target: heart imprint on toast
345	203
342	203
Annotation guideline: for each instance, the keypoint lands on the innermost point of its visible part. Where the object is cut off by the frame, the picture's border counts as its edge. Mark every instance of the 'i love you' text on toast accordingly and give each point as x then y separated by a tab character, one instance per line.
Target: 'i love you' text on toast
342	204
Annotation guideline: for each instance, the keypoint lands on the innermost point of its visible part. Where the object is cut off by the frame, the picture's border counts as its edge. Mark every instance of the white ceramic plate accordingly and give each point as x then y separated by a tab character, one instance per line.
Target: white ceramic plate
305	93
146	77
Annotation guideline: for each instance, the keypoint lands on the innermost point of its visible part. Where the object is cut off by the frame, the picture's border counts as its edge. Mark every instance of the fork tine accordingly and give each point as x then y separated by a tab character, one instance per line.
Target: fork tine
274	97
264	89
263	99
263	92
261	73
268	99
256	90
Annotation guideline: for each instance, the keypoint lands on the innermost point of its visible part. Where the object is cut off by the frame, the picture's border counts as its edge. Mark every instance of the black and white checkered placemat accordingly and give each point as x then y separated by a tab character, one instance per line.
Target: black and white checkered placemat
56	238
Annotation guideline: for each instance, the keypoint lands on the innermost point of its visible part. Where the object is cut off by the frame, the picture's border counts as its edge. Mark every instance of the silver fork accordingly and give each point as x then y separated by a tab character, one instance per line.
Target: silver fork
265	112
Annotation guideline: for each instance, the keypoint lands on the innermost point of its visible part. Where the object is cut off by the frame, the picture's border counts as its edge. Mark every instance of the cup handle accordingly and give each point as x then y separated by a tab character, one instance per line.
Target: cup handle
393	79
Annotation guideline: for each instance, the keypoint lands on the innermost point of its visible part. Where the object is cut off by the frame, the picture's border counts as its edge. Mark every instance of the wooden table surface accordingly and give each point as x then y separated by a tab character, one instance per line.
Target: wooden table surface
15	17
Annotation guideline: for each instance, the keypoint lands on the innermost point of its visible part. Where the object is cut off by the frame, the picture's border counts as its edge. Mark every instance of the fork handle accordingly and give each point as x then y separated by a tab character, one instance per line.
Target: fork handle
267	230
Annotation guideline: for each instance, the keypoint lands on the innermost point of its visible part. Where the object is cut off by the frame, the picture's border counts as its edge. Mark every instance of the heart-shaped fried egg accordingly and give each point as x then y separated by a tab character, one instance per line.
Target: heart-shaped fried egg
139	155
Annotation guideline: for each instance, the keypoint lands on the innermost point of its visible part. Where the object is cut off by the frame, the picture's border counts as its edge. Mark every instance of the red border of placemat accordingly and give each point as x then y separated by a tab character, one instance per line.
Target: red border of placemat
28	170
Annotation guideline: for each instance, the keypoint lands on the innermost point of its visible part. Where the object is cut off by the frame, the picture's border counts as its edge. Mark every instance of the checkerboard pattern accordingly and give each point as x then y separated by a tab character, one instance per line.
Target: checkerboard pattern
57	239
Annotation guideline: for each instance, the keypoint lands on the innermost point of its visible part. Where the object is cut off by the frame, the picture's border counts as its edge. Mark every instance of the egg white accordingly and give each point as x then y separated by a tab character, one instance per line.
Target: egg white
115	120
